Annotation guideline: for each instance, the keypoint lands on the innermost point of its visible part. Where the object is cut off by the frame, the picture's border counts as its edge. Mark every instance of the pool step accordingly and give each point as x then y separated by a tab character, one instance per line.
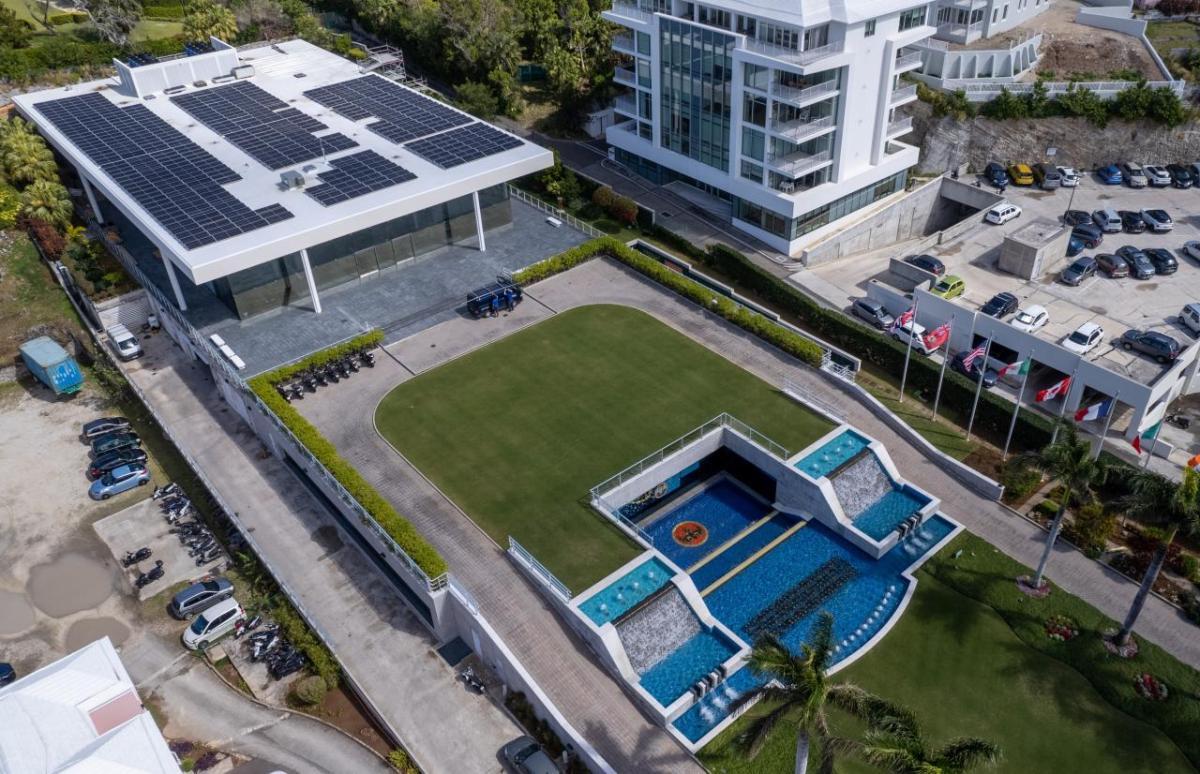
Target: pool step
732	541
753	558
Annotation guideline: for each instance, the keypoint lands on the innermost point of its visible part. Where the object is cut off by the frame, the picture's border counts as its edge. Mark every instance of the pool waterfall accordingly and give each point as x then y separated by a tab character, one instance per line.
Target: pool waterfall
658	627
860	484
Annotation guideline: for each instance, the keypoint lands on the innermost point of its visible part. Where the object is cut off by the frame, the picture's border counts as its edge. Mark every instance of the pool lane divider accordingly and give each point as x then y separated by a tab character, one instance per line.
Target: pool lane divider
760	553
731	542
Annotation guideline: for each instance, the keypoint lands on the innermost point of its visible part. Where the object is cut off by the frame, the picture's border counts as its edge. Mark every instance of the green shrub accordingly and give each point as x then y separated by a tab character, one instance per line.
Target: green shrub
310	691
1091	529
398	759
59	19
603	197
624	209
1191	567
10	205
163	11
1047	508
297	632
1019	481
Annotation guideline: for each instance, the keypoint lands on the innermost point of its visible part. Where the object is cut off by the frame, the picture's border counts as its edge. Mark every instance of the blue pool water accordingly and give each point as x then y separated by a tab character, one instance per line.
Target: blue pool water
831	454
674	675
623	594
724	508
881	518
742	550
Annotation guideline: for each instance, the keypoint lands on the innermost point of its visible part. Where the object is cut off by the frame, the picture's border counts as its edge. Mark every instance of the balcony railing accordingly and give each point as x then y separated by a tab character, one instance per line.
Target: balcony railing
805	95
623	41
799	131
631	11
960	33
626	104
625	76
965	5
791	55
906	61
906	93
798	163
900	126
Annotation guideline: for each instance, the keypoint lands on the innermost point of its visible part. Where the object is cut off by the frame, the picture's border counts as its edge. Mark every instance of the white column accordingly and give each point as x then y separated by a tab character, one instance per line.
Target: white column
312	283
174	283
91	197
478	221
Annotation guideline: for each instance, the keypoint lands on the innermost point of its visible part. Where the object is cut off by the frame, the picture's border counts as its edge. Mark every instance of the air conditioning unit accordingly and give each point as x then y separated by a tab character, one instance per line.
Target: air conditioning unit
242	72
293	178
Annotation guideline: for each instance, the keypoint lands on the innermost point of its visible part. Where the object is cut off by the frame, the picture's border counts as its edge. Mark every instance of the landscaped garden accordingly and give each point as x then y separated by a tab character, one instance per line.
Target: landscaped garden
518	432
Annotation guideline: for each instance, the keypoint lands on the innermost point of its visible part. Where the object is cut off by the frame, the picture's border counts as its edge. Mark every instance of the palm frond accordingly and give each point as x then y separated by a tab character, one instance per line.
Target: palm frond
966	753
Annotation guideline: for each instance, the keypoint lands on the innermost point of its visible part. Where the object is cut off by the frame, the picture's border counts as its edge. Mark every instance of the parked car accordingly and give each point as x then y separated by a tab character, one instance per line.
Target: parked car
1192	250
1108	220
1020	173
1002	213
973	371
198	597
1076	217
114	441
1112	265
525	756
1189	317
1133	174
119	479
1181	176
1070	178
1132	221
995	174
213	624
1164	263
916	332
115	459
1075	246
104	426
1078	271
124	343
1031	318
1090	233
7	674
1194	168
1157	175
1000	305
1047	176
1110	175
948	287
1140	266
1158	221
928	263
1157	345
1084	338
872	312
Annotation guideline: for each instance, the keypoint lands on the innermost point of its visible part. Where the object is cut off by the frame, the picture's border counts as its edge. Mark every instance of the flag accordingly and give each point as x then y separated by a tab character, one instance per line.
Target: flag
1050	393
1194	461
937	337
1147	435
902	319
1021	367
1094	411
974	355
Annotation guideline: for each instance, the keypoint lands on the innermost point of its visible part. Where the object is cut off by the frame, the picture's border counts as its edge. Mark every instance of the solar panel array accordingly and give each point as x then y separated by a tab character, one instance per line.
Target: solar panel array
403	114
175	180
459	146
262	125
355	175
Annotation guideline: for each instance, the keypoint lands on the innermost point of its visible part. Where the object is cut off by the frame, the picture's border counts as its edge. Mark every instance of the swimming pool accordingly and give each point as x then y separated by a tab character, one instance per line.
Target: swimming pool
722	510
888	512
831	454
712	570
623	594
670	678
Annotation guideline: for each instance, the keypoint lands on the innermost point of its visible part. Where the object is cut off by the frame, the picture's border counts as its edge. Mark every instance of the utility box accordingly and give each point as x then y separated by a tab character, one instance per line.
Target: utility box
1035	249
52	366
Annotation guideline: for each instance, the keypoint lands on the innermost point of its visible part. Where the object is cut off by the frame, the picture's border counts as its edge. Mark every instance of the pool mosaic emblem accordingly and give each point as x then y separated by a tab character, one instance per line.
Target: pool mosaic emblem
690	534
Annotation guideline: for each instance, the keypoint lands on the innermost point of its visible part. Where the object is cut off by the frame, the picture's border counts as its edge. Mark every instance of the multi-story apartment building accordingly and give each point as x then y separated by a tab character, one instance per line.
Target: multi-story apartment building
966	21
787	110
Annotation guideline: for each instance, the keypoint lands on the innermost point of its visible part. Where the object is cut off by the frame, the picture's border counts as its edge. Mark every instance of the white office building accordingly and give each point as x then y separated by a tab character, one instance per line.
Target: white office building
785	110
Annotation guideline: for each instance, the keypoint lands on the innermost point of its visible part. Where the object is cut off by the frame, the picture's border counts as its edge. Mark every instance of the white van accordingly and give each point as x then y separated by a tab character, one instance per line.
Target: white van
1189	317
124	343
213	624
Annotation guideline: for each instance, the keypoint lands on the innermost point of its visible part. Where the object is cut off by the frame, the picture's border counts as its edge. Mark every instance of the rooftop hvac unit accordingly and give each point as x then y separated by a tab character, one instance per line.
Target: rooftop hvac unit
243	71
293	178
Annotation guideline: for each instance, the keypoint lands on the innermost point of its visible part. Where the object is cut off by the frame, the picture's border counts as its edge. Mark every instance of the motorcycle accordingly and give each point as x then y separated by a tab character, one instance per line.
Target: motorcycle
471	679
1179	420
133	557
146	578
208	556
244	626
166	490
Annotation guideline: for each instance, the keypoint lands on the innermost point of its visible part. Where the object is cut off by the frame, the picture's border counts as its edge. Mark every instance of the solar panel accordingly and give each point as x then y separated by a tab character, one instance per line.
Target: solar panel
356	175
403	114
175	180
459	146
262	125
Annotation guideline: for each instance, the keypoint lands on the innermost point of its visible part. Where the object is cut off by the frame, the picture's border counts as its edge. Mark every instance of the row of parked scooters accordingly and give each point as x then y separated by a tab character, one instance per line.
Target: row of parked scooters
201	544
332	372
282	658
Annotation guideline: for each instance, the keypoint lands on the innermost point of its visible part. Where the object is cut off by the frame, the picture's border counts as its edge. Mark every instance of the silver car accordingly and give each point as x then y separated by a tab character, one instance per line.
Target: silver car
525	756
198	597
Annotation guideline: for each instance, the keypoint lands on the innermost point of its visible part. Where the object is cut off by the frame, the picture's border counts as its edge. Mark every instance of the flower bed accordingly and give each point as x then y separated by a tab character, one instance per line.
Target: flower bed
1150	687
1062	628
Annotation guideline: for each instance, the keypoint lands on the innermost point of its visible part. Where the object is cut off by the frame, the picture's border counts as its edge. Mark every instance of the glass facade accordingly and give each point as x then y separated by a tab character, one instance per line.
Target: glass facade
696	73
811	221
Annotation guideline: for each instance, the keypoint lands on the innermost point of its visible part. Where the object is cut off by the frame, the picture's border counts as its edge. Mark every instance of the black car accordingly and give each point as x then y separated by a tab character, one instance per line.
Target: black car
1181	176
1112	265
1077	217
996	174
928	263
105	425
973	372
1140	266
1001	305
1164	262
1157	345
115	459
7	674
1089	234
1132	221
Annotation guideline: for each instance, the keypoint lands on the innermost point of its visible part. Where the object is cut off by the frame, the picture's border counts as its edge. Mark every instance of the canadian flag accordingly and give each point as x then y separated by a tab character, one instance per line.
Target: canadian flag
1050	393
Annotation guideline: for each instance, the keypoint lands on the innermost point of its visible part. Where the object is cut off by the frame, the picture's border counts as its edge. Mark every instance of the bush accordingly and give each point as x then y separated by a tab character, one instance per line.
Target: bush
59	19
398	759
478	99
1019	481
1190	566
310	691
46	237
10	205
624	209
163	11
297	632
1091	529
603	197
1046	508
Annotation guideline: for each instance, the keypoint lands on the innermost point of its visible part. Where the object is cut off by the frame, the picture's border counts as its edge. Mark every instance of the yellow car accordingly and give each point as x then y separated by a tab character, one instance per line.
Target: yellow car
950	286
1020	174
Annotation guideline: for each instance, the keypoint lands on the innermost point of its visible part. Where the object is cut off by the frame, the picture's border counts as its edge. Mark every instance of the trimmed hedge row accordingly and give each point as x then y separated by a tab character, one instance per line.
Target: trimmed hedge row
400	530
752	322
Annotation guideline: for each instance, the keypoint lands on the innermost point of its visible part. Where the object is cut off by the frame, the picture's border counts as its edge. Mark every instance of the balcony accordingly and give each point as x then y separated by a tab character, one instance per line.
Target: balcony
903	96
899	126
800	131
631	12
907	60
960	33
805	96
965	5
623	42
625	76
791	55
799	163
626	105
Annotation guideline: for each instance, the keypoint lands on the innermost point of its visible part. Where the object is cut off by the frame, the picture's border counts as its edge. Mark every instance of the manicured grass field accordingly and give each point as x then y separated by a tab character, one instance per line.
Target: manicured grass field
518	432
968	667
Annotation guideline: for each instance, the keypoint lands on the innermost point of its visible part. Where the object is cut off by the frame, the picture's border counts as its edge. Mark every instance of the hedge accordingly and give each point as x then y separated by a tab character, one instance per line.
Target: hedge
752	322
406	536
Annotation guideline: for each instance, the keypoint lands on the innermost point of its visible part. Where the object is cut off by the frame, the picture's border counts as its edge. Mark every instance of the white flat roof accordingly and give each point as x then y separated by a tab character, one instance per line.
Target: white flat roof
285	70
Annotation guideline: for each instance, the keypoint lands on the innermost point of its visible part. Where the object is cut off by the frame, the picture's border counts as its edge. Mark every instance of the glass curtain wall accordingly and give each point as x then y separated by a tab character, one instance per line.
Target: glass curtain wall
696	72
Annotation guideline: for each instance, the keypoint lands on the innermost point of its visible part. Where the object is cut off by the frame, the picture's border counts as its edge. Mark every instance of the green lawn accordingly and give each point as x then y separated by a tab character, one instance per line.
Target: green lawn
986	668
518	432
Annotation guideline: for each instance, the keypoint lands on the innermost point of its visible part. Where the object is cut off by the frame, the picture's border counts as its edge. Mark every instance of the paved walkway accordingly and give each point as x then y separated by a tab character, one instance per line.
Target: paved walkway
378	641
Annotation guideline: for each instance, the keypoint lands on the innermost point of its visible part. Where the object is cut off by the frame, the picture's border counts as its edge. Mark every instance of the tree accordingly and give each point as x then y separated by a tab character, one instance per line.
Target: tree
203	19
14	32
26	158
1069	461
584	44
560	182
1175	506
46	201
1166	108
479	36
477	99
896	744
114	19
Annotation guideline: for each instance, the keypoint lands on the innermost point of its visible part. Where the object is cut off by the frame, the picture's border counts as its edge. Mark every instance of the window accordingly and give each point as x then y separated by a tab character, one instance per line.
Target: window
747	25
912	18
995	15
756	77
715	17
643	44
753	144
752	171
696	101
816	37
785	37
869	29
754	110
1005	16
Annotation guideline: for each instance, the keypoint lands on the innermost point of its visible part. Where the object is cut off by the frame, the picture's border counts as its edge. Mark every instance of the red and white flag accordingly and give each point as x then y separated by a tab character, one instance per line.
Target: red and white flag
1050	393
974	355
903	319
937	337
1094	411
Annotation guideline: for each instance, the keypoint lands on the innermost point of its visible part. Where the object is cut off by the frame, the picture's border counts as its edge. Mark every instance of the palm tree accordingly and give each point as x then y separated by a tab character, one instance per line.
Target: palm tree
1176	506
799	691
896	744
47	201
1069	461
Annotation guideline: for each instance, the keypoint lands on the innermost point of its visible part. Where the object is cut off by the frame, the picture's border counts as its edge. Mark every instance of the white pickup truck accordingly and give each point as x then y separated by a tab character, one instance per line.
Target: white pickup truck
124	343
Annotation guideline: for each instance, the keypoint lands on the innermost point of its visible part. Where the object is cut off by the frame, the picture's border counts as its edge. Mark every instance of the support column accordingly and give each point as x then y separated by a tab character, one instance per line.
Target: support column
91	197
312	283
478	221
174	283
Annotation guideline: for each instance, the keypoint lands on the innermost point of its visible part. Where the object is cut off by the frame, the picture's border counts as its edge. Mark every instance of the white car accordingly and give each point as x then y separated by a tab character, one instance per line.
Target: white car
1084	339
1002	213
1192	250
916	332
124	343
1158	175
1031	318
1157	221
1070	178
213	624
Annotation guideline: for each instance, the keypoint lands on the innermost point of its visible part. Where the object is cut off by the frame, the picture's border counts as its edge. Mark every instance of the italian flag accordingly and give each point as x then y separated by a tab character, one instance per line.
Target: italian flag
1094	411
1147	435
1050	393
1021	368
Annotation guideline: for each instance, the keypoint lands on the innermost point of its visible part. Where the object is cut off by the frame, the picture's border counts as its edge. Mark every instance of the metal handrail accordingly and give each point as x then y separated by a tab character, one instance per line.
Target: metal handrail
561	214
791	55
626	104
551	580
902	94
793	94
798	131
900	126
798	163
623	41
625	75
632	11
908	60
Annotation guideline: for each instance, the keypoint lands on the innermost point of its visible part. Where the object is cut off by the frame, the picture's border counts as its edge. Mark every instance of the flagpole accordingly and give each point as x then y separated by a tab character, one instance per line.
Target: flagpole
1107	422
979	386
1012	425
912	328
937	396
1062	412
1153	443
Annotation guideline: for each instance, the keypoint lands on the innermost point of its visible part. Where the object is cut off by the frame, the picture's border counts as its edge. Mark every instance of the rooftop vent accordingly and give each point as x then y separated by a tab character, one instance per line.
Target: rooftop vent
292	179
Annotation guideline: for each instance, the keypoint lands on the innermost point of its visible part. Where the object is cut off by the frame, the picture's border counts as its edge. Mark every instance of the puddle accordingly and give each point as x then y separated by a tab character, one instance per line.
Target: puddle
16	614
327	537
91	629
70	584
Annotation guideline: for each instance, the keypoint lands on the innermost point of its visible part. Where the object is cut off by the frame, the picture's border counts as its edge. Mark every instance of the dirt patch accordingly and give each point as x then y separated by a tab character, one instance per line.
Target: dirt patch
16	614
70	584
1093	56
343	710
89	630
